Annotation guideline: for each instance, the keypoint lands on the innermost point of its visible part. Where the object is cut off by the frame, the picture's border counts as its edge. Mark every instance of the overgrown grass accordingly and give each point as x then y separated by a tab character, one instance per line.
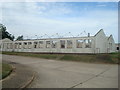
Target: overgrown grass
0	70
5	70
92	58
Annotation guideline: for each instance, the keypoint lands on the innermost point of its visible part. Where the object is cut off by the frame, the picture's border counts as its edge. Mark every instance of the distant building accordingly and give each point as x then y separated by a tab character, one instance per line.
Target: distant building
98	43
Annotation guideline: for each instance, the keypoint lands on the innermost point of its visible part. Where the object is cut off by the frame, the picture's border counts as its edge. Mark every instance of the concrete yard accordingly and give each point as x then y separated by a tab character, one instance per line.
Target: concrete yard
68	74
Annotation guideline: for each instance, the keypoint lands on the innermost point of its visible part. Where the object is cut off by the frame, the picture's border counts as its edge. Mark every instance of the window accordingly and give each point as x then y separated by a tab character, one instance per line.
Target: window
16	45
25	45
29	44
69	43
87	43
62	43
41	44
48	44
79	43
20	45
35	44
54	44
117	48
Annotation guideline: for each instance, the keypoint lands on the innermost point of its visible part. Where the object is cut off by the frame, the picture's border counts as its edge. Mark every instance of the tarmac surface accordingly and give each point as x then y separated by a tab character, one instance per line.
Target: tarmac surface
67	74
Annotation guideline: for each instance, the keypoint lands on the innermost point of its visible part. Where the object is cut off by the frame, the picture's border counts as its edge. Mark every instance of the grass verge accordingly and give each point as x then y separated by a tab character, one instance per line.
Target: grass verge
5	71
112	58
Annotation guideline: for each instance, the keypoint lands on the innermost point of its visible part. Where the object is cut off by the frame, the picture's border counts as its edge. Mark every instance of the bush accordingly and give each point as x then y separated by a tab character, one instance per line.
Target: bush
106	58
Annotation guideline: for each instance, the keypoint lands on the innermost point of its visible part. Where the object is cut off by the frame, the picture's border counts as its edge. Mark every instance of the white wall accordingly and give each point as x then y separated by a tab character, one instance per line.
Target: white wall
99	45
74	49
100	42
111	44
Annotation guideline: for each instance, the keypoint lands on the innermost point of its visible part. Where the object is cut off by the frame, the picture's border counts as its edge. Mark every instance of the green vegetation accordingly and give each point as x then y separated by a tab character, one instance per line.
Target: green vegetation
19	38
92	58
0	70
5	70
4	33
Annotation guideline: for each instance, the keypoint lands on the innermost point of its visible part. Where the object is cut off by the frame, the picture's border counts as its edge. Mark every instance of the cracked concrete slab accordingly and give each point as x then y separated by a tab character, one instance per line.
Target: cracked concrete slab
100	82
104	80
64	74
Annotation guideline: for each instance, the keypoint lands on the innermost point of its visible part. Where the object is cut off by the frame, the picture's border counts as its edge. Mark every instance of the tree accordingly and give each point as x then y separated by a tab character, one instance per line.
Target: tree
20	38
4	34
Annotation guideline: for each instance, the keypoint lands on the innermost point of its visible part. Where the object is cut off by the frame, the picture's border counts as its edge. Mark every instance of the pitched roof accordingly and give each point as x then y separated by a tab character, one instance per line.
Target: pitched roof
98	32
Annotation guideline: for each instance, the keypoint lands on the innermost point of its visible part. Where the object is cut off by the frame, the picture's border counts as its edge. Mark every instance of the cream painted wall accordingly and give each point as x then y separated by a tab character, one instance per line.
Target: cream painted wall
99	44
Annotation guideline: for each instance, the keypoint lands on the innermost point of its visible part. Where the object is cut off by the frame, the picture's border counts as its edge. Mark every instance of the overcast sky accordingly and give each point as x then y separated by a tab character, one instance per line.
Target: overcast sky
40	18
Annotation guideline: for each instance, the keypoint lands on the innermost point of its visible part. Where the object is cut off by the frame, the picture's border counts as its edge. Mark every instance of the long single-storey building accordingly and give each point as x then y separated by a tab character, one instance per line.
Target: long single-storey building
99	43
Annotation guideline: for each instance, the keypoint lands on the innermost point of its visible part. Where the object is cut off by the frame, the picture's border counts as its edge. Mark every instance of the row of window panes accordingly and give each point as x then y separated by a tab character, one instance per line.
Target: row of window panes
53	44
